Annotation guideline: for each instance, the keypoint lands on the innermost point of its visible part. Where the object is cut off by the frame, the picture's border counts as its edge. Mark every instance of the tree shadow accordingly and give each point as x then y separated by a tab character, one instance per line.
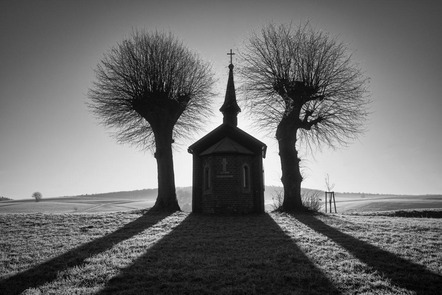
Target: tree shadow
401	272
47	271
222	255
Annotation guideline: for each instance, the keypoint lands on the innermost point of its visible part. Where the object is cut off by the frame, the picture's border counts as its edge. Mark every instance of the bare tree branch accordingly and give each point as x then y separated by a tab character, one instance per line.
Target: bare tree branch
145	74
286	70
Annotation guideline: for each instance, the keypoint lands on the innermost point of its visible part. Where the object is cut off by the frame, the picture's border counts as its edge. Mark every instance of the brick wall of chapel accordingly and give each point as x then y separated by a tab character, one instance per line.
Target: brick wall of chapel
226	193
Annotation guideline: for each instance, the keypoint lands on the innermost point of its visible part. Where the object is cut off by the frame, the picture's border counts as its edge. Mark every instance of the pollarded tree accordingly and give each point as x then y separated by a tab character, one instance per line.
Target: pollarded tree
301	84
152	90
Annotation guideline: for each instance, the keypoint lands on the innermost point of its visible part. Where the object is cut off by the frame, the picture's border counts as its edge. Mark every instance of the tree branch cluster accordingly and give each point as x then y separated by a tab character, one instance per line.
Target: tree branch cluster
149	80
305	77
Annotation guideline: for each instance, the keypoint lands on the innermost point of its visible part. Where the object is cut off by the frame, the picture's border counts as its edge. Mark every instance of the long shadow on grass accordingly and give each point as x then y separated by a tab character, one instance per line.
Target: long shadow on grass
223	255
401	272
47	271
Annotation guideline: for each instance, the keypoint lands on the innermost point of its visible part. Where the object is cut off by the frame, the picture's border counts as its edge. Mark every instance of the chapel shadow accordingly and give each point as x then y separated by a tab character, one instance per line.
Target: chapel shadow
401	272
223	255
47	271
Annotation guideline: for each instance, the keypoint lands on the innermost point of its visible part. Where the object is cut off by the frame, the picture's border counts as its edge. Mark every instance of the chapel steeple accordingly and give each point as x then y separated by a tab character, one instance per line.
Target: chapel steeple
230	108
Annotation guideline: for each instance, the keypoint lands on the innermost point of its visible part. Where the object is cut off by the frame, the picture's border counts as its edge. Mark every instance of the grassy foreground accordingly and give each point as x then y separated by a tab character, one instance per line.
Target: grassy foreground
145	253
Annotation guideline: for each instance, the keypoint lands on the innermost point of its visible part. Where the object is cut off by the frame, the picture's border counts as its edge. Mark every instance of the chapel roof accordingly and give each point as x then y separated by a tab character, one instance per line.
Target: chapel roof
234	134
227	145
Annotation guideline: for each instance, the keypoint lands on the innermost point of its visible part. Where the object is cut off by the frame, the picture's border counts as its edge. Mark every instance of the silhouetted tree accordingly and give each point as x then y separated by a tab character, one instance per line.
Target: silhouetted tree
301	84
37	196
152	89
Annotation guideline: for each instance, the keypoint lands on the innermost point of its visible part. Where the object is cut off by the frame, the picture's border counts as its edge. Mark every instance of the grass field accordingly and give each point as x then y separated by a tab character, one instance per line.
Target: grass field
144	253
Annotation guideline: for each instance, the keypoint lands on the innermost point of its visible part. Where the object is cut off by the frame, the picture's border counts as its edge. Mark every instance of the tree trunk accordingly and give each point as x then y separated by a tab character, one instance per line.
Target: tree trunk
166	199
291	173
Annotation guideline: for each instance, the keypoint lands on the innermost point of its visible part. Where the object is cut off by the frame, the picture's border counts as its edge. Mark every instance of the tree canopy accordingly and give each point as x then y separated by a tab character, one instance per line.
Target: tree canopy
143	76
307	76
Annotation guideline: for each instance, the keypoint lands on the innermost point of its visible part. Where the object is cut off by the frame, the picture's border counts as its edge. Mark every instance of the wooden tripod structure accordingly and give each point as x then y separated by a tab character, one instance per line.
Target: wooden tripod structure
330	200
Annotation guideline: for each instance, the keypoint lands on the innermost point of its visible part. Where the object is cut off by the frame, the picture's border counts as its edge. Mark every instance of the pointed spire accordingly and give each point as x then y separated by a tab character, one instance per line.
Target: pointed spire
230	108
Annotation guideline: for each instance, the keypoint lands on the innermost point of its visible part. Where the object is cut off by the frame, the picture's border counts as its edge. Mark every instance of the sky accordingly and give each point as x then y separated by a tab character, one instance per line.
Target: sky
51	143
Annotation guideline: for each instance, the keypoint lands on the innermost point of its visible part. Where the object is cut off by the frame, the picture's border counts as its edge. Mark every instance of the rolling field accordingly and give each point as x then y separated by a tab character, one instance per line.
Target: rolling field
347	203
106	202
74	205
137	200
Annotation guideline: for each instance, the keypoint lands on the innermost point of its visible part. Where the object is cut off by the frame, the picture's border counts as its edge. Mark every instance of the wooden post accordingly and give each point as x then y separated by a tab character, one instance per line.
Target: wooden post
330	200
325	202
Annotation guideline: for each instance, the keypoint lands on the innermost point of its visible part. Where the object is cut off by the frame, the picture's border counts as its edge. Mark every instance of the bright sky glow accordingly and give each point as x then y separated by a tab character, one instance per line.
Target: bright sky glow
50	142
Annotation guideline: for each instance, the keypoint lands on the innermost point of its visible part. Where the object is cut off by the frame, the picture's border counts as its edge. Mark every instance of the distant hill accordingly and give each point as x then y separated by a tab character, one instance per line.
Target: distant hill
138	199
135	195
184	194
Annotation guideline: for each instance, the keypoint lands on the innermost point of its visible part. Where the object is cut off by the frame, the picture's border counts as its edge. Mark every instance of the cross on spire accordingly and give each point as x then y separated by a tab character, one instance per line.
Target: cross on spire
231	55
230	108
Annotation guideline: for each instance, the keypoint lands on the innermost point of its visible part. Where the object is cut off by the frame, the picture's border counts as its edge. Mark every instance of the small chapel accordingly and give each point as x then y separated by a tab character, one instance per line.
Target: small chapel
228	173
